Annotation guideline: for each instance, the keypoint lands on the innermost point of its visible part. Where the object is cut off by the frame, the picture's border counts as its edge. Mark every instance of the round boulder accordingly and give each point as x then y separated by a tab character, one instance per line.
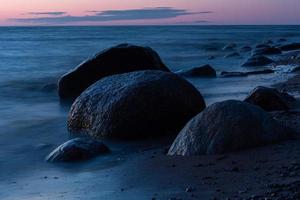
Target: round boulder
270	99
225	127
135	105
258	61
267	51
203	71
115	60
77	149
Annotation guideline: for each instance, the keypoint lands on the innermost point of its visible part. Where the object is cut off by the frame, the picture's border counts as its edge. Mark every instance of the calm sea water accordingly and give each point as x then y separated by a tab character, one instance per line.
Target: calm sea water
33	57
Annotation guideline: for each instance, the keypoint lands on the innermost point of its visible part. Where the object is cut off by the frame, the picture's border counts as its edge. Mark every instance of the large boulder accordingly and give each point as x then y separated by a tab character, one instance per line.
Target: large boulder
135	105
270	99
225	127
77	149
115	60
203	71
256	60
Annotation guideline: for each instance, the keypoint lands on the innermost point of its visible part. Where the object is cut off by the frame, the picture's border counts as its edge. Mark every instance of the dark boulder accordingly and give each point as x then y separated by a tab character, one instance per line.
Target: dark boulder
296	69
270	99
259	46
267	51
135	105
246	49
116	60
290	47
231	55
257	61
281	40
77	149
225	127
203	71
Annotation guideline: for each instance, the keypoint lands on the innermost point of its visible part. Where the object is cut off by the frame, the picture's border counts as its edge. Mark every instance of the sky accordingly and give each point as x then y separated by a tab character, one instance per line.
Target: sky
148	12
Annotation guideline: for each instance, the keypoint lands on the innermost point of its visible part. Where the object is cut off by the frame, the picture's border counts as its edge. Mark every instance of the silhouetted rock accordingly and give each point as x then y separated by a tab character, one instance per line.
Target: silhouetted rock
290	47
246	49
262	46
231	55
258	61
49	87
296	69
269	42
203	71
269	99
238	74
116	60
77	149
281	40
267	51
229	47
227	126
135	105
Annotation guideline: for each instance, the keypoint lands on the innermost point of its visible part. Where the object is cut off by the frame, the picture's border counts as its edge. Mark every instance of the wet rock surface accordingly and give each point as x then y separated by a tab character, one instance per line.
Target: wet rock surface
115	60
270	99
77	149
203	71
290	47
240	74
135	105
227	126
257	60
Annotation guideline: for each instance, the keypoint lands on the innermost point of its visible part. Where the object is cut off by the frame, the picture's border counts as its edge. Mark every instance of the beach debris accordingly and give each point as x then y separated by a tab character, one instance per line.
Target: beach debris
135	105
115	60
225	127
270	99
203	71
77	149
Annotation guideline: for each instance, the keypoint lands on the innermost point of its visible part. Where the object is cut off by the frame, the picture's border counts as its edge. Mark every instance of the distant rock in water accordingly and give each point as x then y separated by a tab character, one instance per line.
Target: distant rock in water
225	127
116	60
269	42
77	149
239	74
262	46
49	87
203	71
246	49
296	69
257	61
267	51
281	40
135	105
229	47
270	99
290	47
231	55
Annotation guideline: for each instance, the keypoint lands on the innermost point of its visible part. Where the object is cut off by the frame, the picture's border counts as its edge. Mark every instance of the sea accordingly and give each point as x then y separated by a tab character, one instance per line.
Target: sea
33	119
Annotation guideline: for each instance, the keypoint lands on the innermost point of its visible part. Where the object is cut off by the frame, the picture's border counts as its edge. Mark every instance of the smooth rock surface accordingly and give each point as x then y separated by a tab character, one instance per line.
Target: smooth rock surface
135	105
257	61
225	127
77	149
269	99
115	60
203	71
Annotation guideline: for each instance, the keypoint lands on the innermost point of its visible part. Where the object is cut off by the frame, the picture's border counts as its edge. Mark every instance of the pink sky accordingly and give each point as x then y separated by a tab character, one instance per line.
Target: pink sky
223	11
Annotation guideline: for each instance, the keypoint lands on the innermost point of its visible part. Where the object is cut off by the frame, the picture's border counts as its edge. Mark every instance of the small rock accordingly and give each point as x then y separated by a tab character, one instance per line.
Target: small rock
229	47
257	61
231	55
203	71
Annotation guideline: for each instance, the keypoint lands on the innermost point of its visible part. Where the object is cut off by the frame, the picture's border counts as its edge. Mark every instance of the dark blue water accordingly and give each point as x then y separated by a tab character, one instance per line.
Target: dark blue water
34	57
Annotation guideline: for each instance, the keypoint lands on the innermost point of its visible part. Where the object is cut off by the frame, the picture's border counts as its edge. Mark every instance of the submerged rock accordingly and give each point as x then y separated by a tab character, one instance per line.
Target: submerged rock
270	99
257	61
237	74
267	51
246	49
77	149
203	71
225	127
259	46
229	47
116	60
231	55
281	40
139	104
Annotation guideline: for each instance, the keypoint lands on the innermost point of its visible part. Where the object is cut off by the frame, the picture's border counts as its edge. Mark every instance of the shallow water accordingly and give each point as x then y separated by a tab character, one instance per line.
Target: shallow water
34	57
